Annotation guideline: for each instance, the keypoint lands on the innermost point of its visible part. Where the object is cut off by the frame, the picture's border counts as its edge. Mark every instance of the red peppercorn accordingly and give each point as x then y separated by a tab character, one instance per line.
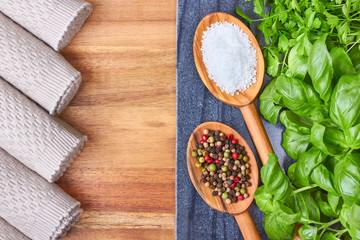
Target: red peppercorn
207	158
235	155
233	185
219	146
230	137
217	161
231	170
209	161
205	137
234	141
202	141
236	179
241	197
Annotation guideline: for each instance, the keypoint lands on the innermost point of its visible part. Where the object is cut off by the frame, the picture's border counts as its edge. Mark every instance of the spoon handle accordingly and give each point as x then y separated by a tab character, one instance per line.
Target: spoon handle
247	226
257	131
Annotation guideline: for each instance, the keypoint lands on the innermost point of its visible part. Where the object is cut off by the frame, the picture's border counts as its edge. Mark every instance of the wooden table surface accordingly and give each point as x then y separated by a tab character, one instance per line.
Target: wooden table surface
125	175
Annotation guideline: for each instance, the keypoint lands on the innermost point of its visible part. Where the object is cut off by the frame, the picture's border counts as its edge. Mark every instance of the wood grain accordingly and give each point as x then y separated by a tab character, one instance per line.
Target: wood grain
125	175
239	209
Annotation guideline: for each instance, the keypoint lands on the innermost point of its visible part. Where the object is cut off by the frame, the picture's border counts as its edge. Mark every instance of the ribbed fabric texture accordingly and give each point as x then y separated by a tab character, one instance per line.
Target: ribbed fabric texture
54	21
43	143
34	68
8	232
39	209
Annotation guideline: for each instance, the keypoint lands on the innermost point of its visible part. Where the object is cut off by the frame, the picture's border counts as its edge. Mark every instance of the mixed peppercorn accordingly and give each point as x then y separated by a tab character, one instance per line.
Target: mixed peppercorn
224	165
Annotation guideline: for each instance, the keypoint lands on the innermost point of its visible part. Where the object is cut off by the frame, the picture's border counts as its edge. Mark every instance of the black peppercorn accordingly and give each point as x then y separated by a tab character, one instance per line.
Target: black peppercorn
215	193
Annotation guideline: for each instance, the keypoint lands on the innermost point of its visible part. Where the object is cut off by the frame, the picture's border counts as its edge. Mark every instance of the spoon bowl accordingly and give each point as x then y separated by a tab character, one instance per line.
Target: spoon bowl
239	209
241	98
245	99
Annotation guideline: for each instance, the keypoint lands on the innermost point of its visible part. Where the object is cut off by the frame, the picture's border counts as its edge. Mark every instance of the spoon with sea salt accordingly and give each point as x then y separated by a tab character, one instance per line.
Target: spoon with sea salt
243	99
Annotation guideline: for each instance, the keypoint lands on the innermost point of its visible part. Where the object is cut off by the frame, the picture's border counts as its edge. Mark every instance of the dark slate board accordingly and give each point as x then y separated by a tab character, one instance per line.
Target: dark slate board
195	105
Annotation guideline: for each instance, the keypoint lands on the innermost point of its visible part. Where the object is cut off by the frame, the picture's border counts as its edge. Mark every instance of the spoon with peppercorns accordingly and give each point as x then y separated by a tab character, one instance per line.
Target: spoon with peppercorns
224	172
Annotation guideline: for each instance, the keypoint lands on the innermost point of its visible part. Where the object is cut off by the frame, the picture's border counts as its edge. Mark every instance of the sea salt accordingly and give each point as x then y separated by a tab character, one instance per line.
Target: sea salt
229	57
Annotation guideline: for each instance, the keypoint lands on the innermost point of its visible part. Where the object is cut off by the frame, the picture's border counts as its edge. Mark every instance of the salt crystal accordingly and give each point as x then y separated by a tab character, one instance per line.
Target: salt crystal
229	57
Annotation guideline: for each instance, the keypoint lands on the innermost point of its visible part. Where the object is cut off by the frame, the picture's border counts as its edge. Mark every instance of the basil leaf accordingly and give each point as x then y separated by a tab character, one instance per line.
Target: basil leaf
297	95
265	200
345	102
306	206
298	58
341	63
308	232
347	218
354	216
354	55
268	103
329	236
352	136
354	233
323	178
294	143
347	178
276	229
291	174
286	215
328	139
330	164
335	202
306	163
275	181
320	68
296	123
324	206
344	215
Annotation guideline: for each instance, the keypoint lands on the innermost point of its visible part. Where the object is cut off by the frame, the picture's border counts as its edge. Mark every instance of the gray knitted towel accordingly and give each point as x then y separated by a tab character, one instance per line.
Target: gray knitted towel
34	68
54	21
39	209
8	232
41	142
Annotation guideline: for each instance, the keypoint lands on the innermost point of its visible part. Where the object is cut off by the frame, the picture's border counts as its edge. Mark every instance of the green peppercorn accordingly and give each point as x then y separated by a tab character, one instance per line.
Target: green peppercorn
194	154
243	191
199	152
237	189
211	139
226	154
203	169
240	156
198	164
247	171
201	159
225	195
211	167
246	158
224	168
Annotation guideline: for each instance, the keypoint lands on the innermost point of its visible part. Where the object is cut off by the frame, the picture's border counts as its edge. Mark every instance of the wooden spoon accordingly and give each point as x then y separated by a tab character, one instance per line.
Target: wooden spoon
244	100
240	209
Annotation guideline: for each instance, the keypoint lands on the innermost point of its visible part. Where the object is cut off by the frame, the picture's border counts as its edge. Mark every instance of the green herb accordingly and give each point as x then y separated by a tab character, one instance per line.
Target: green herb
321	113
291	25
